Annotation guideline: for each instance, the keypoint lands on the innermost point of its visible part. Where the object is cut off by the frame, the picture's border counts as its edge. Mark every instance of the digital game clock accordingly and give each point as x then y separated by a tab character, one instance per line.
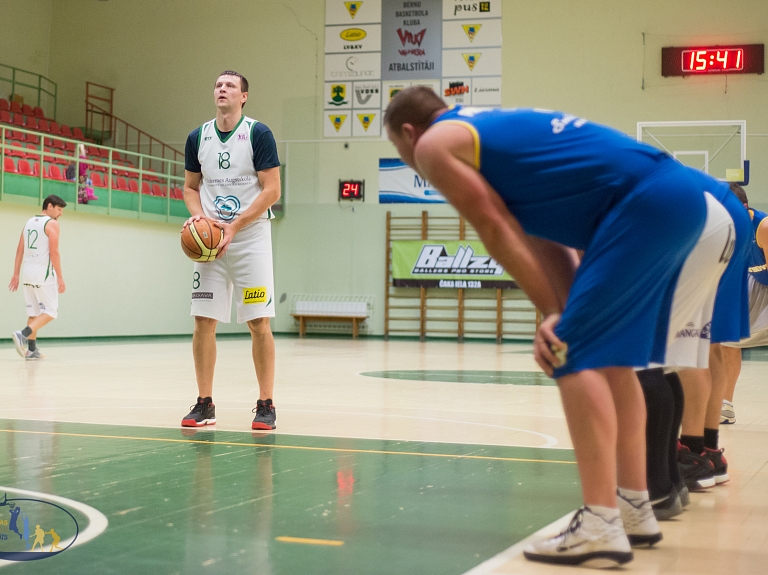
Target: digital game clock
690	61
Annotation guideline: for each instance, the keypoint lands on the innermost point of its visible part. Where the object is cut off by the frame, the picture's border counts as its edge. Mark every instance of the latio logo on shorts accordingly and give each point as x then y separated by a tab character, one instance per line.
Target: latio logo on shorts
255	295
227	207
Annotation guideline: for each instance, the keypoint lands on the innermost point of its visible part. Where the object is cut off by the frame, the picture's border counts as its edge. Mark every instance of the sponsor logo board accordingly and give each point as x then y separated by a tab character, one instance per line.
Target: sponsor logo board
366	94
367	123
482	62
464	10
346	39
338	95
337	126
352	12
341	67
472	34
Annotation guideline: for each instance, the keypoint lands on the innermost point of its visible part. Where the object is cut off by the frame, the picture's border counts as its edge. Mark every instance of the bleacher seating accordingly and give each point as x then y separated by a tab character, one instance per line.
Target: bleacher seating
23	153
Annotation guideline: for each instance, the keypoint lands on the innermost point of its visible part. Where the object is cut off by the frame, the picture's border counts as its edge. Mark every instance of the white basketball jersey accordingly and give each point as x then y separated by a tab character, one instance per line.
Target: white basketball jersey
229	181
37	269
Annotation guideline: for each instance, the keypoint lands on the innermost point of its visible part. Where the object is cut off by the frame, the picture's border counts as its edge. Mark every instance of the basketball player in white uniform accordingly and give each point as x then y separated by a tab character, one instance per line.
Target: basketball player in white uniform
41	279
232	177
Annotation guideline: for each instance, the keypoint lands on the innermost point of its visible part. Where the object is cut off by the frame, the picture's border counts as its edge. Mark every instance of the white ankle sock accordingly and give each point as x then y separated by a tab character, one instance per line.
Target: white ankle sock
633	495
607	513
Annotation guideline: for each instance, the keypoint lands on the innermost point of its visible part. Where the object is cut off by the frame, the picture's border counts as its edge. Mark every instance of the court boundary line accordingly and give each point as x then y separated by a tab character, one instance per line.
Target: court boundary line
297	447
275	432
488	566
97	521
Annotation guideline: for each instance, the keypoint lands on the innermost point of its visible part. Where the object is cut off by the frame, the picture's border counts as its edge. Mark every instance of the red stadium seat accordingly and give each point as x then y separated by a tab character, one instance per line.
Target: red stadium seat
5	117
55	172
33	139
97	181
43	125
26	109
38	112
65	131
24	168
78	134
16	107
69	146
156	191
177	193
122	184
8	165
145	189
55	129
31	123
133	186
5	104
18	120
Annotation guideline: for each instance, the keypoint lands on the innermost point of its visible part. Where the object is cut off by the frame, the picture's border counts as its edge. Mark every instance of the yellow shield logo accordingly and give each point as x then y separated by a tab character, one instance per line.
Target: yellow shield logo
353	34
471	30
338	95
471	60
353	7
338	121
365	120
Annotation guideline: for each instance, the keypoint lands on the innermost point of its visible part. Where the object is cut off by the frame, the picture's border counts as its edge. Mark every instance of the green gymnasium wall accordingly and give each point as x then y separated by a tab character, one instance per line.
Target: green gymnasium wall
588	58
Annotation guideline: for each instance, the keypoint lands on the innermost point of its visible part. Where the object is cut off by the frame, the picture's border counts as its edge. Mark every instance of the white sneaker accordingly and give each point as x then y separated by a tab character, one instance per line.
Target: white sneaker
639	521
727	413
589	540
34	354
20	342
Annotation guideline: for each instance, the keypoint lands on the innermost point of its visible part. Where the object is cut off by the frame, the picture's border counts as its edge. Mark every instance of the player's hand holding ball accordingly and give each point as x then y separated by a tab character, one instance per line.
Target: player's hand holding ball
201	239
548	350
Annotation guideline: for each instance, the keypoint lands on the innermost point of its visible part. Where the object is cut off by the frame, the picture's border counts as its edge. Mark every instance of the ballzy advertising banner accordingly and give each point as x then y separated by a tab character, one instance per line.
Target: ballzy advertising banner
398	183
458	264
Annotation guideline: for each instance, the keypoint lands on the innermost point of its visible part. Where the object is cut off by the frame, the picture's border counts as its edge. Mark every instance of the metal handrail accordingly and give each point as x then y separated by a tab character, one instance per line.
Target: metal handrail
38	87
167	178
113	123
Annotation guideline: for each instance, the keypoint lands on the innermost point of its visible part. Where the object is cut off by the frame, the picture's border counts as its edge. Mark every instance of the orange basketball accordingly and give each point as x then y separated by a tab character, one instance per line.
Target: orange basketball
200	240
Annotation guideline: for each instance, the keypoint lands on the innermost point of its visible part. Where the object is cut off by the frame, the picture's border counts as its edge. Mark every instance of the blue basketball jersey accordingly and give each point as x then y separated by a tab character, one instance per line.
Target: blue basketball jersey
558	174
757	266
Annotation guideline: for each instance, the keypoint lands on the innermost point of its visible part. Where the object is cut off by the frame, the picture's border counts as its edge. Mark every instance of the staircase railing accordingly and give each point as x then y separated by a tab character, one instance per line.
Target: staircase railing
42	91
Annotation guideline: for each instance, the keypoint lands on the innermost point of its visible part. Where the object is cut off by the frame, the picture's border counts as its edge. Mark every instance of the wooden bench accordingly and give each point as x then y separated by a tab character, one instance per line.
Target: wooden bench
331	310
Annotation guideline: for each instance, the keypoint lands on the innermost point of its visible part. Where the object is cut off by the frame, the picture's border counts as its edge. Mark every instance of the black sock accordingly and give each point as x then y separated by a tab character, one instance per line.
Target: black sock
32	343
673	380
711	438
693	442
26	331
660	413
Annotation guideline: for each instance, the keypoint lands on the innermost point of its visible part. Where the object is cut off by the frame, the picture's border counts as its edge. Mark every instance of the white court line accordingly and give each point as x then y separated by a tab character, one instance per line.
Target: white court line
490	565
97	521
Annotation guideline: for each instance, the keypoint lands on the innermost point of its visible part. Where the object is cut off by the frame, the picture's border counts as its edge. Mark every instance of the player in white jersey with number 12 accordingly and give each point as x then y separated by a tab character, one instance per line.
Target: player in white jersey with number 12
232	176
40	276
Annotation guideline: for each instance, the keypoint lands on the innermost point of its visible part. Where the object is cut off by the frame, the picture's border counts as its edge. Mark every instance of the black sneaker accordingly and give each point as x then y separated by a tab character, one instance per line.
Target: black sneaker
697	471
203	413
682	491
265	415
667	507
719	462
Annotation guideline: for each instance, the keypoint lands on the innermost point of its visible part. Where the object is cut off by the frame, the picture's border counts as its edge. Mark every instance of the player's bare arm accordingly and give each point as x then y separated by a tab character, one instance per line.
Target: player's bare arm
14	285
445	155
52	231
762	237
192	196
270	193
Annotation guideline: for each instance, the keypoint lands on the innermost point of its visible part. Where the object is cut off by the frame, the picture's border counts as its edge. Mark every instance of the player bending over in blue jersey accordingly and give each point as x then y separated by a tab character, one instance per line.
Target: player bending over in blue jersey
536	185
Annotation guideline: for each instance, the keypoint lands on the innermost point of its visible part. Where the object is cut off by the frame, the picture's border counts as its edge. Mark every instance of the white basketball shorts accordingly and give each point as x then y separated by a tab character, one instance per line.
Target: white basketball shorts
42	299
690	322
758	316
245	270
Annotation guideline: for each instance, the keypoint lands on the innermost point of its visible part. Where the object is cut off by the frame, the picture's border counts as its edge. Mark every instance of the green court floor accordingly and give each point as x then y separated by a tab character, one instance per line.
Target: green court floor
203	501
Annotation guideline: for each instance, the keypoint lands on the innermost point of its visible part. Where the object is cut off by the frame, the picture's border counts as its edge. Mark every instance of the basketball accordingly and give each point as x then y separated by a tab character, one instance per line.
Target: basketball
200	240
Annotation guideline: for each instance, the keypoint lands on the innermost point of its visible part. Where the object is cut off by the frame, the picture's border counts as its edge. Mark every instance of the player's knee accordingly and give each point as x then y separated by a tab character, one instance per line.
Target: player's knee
205	324
259	326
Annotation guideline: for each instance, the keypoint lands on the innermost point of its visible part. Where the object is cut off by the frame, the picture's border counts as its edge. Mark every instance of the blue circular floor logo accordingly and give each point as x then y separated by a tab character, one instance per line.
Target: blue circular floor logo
32	529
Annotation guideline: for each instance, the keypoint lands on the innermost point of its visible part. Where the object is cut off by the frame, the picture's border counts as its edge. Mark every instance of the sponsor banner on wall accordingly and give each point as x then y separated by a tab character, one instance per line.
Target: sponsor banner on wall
411	39
366	123
345	12
473	62
471	33
366	95
348	67
398	184
486	91
464	10
457	91
338	95
337	124
348	39
450	264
